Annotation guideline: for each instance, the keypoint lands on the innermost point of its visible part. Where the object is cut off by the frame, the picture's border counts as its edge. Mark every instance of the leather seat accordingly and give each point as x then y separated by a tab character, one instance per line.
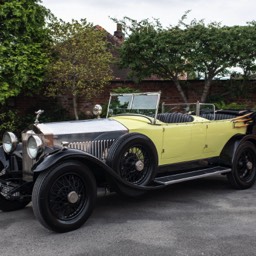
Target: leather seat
174	117
218	116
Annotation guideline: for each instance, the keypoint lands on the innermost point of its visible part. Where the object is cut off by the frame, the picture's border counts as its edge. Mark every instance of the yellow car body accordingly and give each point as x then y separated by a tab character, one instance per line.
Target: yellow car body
183	142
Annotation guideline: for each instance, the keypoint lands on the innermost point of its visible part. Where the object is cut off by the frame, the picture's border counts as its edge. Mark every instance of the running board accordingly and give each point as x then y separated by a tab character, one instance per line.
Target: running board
176	178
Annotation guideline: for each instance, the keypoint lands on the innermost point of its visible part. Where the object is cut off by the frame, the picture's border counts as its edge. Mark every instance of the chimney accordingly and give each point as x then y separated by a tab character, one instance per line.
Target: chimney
119	33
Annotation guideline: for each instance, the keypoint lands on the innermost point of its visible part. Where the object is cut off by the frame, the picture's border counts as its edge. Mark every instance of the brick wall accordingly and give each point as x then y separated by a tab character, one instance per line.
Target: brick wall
169	94
227	91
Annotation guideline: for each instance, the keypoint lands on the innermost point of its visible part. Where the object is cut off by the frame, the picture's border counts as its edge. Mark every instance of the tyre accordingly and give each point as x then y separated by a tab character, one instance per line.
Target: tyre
12	205
133	157
63	198
243	172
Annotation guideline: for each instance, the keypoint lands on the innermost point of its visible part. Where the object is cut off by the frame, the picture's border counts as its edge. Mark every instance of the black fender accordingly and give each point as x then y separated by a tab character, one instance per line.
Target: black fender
229	150
94	164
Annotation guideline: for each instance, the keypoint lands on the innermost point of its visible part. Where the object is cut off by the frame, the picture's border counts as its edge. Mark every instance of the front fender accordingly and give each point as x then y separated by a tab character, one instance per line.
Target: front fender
72	154
62	155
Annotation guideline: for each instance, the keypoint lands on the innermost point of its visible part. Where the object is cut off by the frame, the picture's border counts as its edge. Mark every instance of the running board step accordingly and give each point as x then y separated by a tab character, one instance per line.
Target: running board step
176	178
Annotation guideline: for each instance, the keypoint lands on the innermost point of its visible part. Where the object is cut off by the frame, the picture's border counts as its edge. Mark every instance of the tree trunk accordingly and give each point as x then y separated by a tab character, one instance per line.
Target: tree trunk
180	90
207	86
75	106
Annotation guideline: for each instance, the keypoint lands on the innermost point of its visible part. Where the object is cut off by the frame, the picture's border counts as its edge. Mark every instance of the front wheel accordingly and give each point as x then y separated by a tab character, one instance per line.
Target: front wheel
63	198
243	173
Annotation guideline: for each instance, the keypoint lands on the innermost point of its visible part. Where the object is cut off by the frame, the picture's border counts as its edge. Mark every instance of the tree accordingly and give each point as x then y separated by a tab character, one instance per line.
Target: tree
151	50
205	49
81	61
23	46
214	48
210	51
245	48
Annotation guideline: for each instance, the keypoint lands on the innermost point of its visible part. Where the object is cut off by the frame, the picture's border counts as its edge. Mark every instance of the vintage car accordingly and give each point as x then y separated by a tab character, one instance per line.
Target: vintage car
141	145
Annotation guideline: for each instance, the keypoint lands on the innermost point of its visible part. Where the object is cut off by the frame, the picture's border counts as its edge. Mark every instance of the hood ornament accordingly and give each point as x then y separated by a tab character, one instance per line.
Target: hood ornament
38	113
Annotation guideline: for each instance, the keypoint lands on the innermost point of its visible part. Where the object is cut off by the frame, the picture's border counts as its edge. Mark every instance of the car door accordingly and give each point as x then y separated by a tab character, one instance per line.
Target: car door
183	142
218	133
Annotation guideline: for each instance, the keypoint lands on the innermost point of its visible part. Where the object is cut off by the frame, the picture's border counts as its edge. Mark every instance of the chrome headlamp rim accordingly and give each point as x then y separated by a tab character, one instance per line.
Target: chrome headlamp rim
10	142
34	146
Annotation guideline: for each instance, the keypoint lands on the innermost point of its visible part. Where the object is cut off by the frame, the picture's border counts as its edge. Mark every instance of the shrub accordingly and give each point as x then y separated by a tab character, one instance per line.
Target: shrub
9	121
233	105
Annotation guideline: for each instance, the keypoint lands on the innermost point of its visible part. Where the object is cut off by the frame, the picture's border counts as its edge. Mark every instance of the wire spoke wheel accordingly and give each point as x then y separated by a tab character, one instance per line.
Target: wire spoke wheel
63	198
62	191
243	173
246	165
134	158
135	164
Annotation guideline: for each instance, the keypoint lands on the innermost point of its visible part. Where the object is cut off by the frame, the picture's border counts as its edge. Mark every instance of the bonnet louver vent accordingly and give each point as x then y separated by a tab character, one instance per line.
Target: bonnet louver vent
97	148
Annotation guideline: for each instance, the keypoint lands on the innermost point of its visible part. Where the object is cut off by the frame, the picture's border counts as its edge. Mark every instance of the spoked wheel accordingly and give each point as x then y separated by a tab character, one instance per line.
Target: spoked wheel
243	173
134	158
63	198
134	164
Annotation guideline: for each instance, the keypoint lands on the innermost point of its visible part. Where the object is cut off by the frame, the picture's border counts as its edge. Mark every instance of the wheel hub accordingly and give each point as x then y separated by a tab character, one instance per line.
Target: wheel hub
139	165
249	165
73	197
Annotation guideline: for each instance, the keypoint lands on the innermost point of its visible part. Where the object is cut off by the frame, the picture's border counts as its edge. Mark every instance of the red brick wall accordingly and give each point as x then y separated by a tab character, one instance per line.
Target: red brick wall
193	90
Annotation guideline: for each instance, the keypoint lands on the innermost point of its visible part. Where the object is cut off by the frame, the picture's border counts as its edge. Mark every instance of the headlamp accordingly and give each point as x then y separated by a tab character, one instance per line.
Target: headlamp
34	146
10	142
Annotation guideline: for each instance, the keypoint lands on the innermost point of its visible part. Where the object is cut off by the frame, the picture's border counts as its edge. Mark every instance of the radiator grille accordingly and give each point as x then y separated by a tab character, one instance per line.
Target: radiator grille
97	148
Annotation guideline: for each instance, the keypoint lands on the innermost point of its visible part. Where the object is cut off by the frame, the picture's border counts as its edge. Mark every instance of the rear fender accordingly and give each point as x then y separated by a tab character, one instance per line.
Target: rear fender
232	145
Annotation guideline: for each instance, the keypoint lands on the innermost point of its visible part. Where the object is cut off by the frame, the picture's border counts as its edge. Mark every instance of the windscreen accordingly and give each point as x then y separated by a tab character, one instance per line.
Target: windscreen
145	104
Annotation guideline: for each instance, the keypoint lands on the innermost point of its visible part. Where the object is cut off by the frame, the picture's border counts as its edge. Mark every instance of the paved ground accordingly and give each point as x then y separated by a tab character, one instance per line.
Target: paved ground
203	217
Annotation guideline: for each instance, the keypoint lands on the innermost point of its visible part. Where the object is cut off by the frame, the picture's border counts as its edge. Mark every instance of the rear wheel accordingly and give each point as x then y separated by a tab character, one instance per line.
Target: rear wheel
133	157
63	198
243	173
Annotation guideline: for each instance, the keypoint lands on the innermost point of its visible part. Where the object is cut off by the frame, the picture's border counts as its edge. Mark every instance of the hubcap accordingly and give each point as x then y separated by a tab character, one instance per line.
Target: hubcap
139	165
249	165
73	197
